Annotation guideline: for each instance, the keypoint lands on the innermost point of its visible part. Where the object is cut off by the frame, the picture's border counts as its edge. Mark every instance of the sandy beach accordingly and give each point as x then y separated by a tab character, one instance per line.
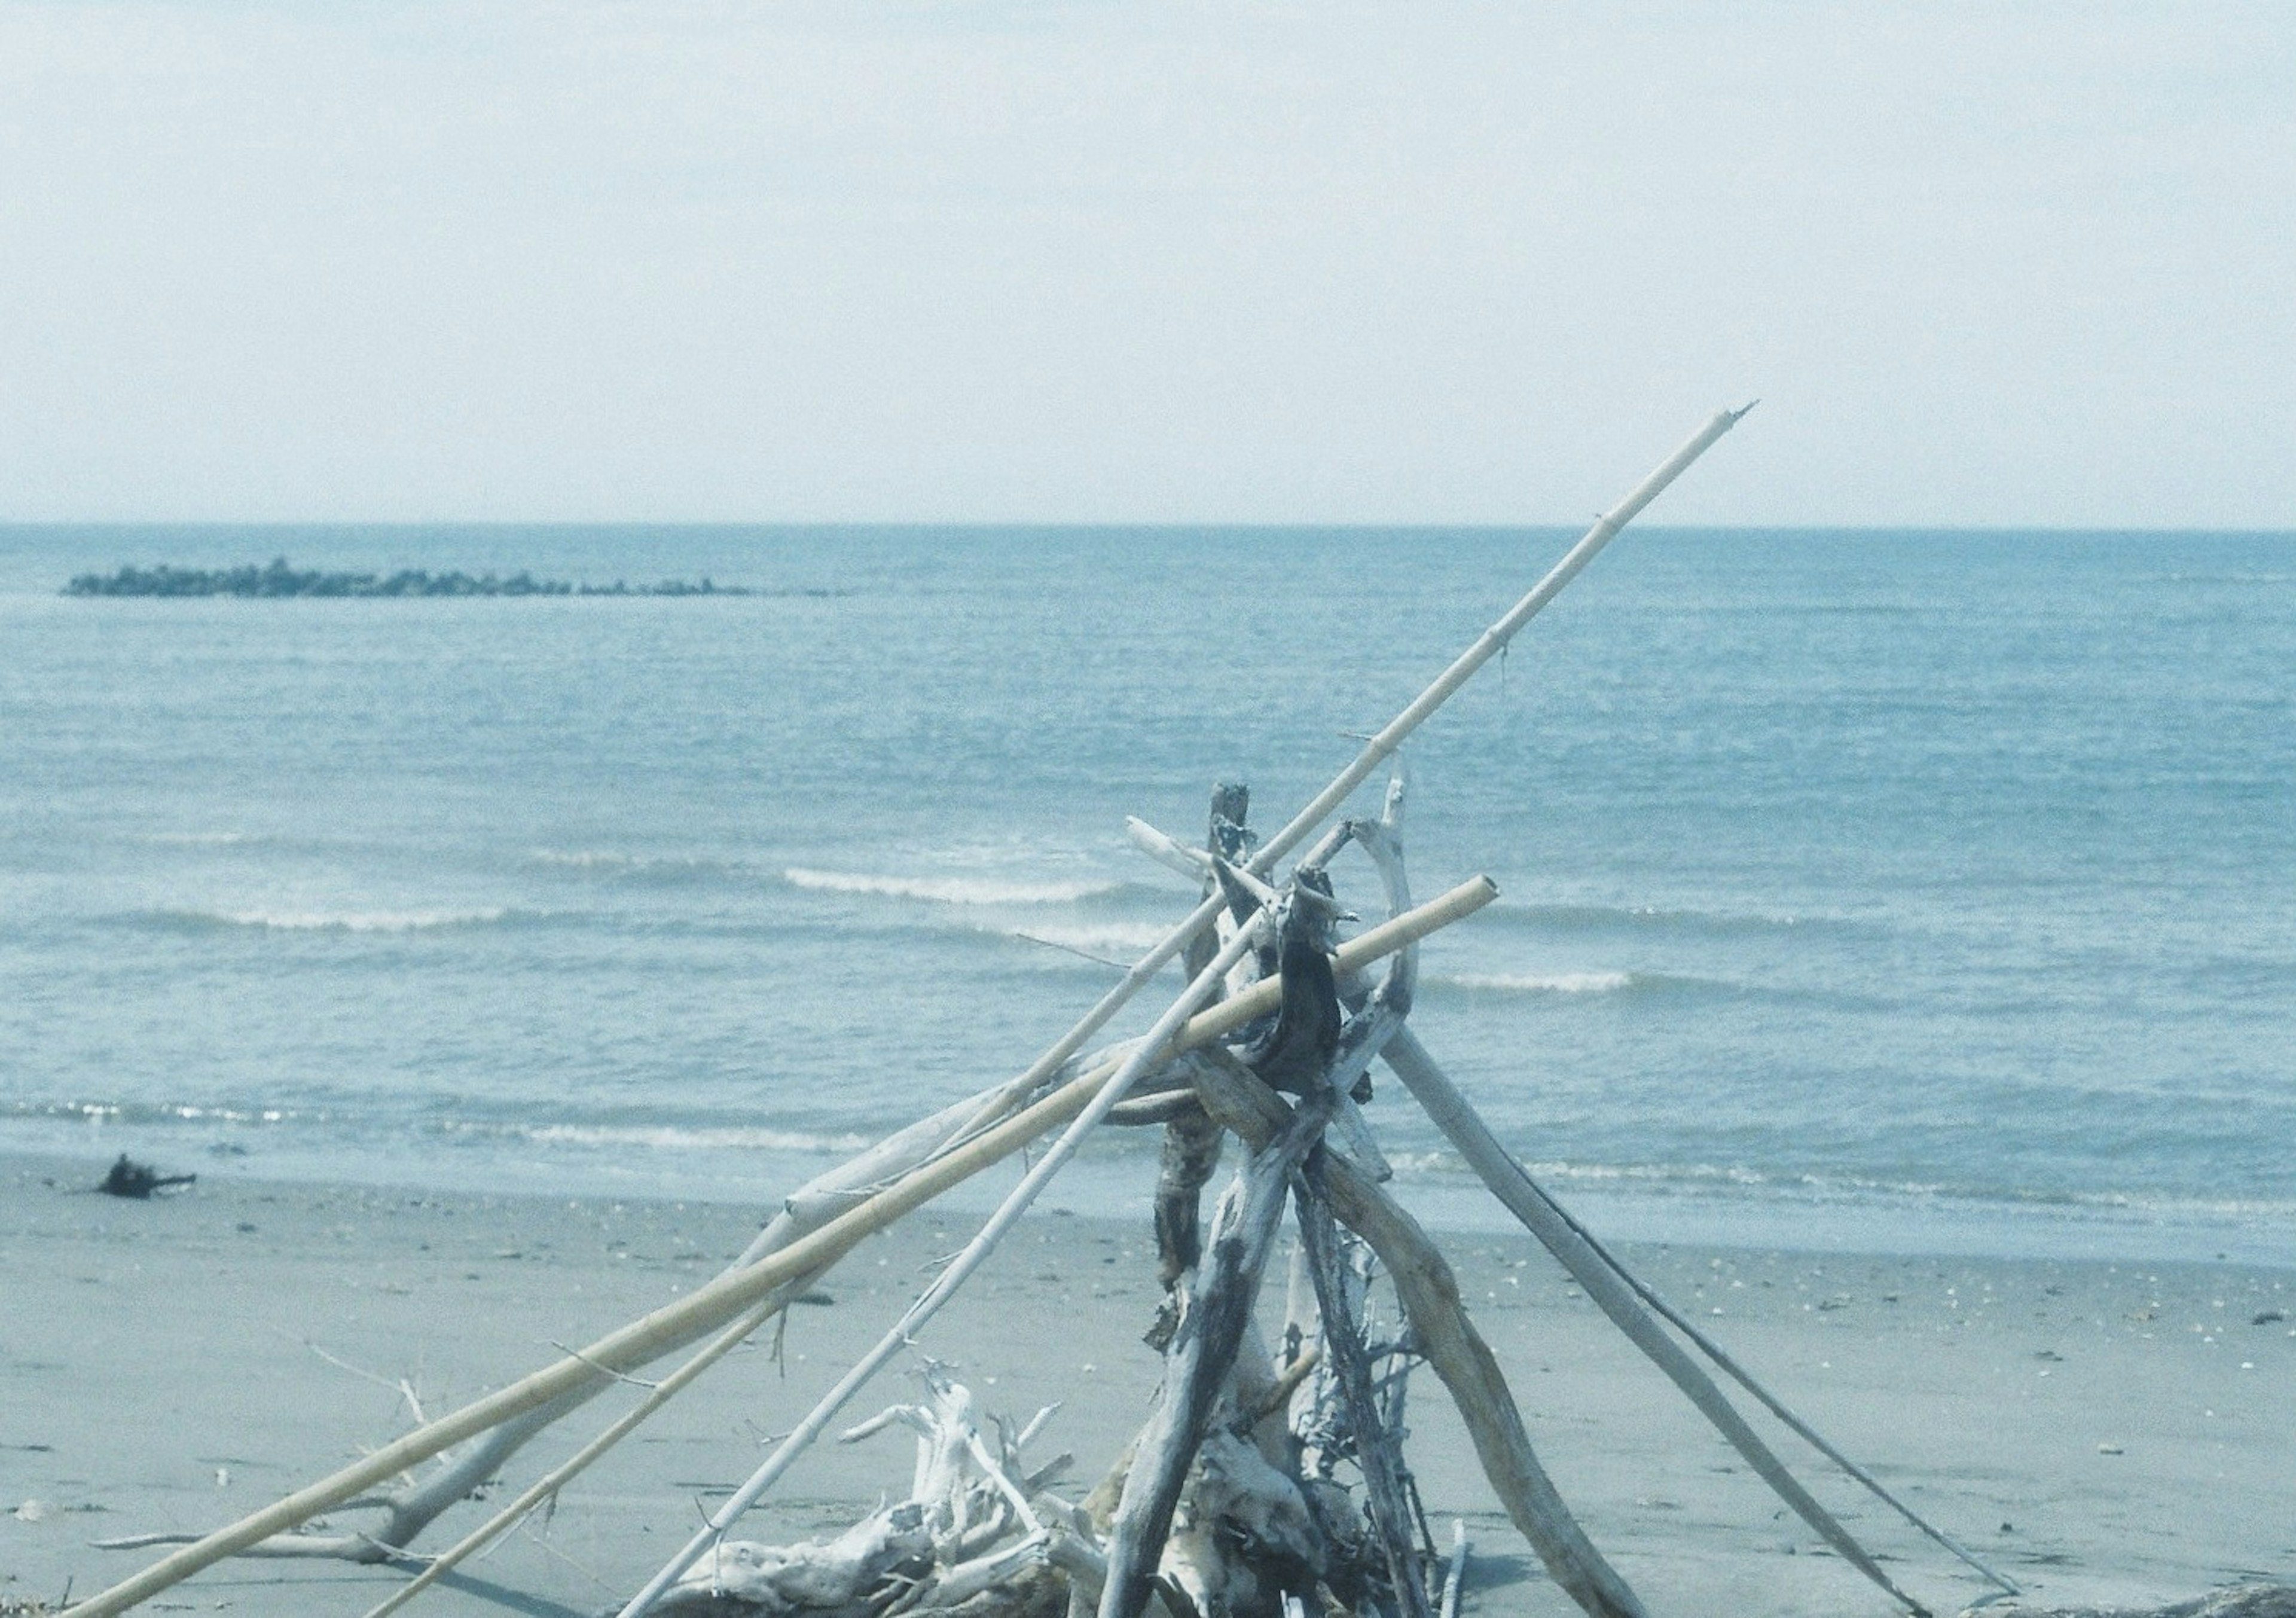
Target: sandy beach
2103	1433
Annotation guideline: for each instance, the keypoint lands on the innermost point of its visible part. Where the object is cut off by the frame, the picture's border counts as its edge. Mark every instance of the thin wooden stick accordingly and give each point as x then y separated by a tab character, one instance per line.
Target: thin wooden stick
1515	1188
1454	1578
549	1482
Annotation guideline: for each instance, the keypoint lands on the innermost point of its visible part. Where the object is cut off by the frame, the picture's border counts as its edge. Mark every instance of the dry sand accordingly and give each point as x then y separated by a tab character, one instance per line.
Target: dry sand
2102	1432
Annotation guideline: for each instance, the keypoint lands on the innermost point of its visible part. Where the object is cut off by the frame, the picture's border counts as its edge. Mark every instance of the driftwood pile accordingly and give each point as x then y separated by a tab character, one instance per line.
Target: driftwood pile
1271	1478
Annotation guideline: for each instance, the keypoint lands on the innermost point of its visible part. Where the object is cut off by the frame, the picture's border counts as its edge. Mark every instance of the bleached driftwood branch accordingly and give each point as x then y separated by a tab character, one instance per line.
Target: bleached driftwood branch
929	1554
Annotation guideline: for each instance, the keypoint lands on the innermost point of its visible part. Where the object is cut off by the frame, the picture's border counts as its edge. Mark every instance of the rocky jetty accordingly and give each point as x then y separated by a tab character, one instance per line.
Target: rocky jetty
278	579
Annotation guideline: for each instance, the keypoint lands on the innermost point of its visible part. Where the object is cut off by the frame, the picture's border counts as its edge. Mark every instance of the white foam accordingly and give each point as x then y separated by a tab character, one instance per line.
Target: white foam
1115	937
355	921
585	860
608	860
1559	982
671	1138
948	889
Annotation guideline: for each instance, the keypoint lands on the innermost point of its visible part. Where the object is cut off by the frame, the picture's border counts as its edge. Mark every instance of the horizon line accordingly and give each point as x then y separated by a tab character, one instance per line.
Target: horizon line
1045	525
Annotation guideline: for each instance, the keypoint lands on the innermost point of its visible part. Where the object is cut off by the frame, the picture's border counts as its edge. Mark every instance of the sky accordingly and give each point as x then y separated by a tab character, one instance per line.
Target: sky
1985	265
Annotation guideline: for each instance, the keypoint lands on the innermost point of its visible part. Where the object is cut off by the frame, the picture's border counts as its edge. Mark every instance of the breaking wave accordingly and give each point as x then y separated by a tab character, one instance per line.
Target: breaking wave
341	921
949	890
1555	982
672	1137
1134	939
1654	919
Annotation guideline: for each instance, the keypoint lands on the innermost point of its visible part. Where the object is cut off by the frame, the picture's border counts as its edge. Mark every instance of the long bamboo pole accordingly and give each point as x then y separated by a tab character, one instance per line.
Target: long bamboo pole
710	1306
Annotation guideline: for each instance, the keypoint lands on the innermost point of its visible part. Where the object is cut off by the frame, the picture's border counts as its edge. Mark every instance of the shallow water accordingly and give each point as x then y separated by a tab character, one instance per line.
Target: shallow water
1908	889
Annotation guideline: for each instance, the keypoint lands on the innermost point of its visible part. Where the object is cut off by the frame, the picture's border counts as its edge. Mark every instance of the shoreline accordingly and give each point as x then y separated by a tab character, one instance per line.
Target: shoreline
1103	1182
2103	1432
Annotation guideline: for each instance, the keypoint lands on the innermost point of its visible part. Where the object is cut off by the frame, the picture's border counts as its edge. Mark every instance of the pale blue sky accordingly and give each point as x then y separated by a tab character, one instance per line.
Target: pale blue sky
1984	264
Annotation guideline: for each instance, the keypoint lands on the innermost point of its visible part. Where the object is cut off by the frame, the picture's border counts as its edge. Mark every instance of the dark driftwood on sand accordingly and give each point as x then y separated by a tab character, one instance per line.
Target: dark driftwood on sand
131	1178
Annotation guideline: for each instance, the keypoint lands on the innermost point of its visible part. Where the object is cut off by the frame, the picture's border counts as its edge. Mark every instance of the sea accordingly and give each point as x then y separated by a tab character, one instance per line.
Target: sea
1896	890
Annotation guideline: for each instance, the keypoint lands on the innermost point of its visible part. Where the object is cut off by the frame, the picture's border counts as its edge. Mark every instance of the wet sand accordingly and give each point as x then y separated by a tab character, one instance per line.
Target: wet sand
2101	1433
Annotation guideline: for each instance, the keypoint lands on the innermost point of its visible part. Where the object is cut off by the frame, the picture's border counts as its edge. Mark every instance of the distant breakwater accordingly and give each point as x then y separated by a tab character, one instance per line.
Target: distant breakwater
279	580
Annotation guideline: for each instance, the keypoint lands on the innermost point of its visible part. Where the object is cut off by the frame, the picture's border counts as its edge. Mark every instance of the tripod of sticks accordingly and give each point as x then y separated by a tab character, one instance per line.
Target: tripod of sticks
1226	1501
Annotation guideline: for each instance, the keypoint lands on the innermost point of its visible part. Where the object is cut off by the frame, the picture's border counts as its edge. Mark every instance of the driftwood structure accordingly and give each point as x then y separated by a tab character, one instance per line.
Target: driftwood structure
1272	1477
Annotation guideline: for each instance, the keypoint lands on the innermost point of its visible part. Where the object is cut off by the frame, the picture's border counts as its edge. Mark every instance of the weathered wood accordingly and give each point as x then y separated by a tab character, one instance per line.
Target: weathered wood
1728	1365
1429	1294
1191	1151
1295	1054
550	1481
1197	1365
1377	1447
1231	811
131	1178
1191	1141
820	1575
1455	1576
935	1552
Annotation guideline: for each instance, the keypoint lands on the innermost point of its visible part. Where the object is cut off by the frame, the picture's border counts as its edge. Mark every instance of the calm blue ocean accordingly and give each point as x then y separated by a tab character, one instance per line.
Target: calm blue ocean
1896	889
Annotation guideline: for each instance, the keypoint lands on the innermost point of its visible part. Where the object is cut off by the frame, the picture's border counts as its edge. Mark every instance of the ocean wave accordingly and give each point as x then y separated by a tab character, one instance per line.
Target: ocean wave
679	1137
1784	1185
1557	983
587	859
1649	918
608	860
341	921
142	1113
195	840
949	890
1113	937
